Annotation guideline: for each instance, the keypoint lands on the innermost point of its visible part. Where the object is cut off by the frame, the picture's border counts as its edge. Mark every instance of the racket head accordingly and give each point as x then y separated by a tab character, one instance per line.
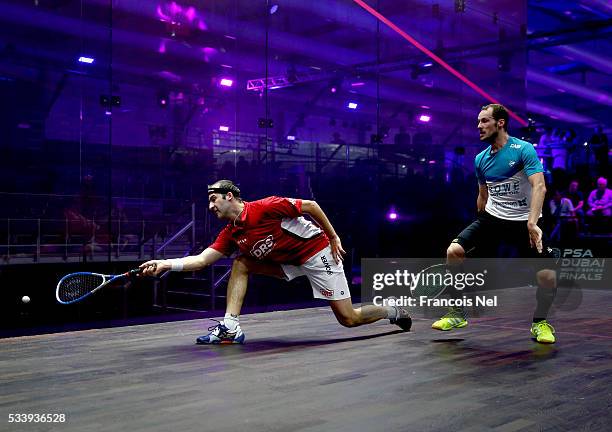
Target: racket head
76	286
431	282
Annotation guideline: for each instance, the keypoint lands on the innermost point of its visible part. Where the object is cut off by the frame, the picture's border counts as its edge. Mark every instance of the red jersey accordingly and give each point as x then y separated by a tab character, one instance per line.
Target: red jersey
272	229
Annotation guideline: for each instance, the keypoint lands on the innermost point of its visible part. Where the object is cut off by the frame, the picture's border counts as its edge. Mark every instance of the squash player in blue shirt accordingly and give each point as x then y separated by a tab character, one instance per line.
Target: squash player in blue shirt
511	192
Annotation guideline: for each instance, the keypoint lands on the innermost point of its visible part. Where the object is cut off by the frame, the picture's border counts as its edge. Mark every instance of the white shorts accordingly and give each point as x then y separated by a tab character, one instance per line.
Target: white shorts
326	278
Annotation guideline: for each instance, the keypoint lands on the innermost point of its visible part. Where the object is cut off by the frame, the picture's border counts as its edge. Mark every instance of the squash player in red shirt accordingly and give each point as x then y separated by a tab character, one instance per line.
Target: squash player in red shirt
272	238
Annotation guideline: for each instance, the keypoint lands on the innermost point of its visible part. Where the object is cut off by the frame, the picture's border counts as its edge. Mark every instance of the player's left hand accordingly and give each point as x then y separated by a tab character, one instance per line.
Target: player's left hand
535	237
336	249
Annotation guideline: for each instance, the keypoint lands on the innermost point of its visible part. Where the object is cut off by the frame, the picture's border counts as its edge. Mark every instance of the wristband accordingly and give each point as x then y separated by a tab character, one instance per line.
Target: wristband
176	265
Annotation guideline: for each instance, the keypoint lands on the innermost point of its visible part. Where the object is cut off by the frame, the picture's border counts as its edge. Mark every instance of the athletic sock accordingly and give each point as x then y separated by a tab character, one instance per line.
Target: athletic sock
392	312
545	298
232	322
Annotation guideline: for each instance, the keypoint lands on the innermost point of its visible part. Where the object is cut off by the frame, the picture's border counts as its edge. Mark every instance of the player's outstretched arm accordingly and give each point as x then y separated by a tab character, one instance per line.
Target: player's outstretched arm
314	210
188	263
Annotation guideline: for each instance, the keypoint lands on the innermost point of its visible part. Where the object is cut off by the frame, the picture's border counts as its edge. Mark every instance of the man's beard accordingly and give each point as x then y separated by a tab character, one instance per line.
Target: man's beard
491	138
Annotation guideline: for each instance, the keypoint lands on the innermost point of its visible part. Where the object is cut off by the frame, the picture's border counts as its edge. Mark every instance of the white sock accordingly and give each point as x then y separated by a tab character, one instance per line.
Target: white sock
231	322
392	312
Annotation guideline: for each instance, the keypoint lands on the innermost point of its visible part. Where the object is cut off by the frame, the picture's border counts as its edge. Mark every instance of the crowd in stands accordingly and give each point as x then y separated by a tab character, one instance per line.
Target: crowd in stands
579	200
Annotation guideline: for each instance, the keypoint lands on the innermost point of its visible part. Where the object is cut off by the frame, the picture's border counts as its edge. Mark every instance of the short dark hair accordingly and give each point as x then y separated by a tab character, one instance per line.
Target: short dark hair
499	113
223	187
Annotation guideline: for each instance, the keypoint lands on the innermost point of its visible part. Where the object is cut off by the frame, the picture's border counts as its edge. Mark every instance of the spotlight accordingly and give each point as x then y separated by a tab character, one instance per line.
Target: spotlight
87	60
224	128
424	118
226	82
352	105
162	100
290	137
335	84
392	214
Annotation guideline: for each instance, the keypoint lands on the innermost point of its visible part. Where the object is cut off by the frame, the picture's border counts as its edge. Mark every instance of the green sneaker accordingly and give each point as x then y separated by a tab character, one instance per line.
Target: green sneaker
543	332
453	319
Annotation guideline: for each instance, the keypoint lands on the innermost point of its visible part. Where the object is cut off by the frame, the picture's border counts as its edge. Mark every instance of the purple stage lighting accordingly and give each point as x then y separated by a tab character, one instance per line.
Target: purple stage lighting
357	84
87	60
162	100
224	128
226	82
333	89
290	137
352	105
392	215
435	57
424	118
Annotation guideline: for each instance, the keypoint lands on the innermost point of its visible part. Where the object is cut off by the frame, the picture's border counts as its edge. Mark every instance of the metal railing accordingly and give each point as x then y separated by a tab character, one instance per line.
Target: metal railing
191	225
160	286
28	240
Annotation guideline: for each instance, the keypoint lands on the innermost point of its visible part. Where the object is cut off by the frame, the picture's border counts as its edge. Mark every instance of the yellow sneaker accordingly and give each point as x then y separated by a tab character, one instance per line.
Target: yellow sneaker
452	320
543	332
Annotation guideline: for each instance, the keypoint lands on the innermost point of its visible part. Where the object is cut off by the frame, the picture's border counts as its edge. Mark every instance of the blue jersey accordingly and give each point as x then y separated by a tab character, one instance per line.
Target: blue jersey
506	173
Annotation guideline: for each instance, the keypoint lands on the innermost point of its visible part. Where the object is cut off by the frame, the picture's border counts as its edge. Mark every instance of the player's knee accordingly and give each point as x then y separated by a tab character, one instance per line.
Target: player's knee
348	320
455	252
546	278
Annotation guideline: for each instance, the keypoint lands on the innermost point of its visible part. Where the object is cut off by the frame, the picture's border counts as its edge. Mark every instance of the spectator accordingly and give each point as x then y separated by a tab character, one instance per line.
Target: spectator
562	212
545	138
575	196
600	199
561	206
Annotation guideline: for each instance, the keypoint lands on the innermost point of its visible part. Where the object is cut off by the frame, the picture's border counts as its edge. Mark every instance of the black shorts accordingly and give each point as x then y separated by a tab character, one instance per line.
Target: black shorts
492	237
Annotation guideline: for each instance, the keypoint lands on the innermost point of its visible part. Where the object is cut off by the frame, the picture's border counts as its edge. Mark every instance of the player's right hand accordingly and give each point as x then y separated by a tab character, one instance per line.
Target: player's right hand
336	249
535	237
154	267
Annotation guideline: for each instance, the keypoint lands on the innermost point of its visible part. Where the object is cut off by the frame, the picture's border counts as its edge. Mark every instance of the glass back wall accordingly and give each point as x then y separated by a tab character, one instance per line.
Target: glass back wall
117	114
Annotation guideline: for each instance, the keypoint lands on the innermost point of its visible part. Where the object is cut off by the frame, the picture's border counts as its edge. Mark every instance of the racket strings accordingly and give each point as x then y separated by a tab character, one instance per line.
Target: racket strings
76	286
431	283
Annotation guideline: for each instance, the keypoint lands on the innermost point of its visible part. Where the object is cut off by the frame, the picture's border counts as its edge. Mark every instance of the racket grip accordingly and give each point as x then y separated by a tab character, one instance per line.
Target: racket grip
133	272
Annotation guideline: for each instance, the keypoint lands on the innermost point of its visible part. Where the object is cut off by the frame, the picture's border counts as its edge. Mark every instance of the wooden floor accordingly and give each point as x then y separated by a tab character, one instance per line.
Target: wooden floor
301	371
